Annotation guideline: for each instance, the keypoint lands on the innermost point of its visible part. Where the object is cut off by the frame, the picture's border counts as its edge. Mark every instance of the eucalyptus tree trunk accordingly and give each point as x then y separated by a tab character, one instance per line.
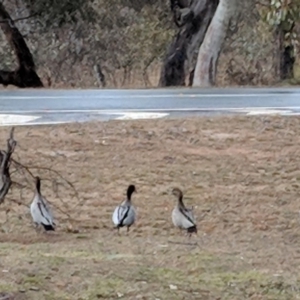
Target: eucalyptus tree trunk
25	75
211	47
284	53
192	17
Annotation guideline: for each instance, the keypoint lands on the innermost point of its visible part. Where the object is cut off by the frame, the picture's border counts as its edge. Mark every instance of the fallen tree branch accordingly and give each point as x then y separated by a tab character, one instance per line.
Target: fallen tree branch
5	160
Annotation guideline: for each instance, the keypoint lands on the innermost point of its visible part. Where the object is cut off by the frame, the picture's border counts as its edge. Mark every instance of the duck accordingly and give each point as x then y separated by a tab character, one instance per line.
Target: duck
182	217
40	210
124	214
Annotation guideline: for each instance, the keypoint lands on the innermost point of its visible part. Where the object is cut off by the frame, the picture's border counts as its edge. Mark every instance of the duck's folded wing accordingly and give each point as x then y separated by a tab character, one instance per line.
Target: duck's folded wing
129	217
189	212
187	218
120	214
45	214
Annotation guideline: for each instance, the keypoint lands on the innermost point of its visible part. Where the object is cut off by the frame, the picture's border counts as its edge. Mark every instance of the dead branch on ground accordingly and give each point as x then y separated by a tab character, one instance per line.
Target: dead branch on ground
5	161
23	178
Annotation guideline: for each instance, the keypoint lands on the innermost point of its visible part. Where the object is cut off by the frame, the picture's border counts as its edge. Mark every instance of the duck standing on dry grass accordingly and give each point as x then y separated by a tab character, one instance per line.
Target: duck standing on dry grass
183	217
124	214
40	210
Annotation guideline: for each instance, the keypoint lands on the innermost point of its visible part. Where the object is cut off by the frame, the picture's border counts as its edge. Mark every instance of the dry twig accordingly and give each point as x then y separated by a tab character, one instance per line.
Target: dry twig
23	174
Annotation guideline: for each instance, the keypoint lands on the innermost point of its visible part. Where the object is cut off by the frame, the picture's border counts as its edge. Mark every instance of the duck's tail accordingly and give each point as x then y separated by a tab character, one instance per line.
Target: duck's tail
48	227
192	229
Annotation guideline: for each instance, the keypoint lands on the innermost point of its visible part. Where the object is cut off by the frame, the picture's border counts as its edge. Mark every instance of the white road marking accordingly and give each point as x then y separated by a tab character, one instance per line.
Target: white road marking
268	112
126	114
38	123
16	119
141	115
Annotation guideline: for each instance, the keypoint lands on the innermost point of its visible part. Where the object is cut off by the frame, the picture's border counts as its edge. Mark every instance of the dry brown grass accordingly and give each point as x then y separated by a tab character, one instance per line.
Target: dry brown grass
241	174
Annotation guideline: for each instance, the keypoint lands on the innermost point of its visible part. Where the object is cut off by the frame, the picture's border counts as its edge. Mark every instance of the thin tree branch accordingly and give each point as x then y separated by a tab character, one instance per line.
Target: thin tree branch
28	168
11	21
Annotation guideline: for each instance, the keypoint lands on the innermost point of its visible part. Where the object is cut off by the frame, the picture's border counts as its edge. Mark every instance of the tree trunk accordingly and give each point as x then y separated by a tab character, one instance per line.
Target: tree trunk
206	67
193	19
25	75
285	58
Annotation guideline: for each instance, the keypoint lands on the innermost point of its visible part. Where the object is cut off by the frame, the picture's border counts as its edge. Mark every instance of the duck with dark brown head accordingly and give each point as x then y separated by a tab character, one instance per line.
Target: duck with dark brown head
182	216
40	210
124	214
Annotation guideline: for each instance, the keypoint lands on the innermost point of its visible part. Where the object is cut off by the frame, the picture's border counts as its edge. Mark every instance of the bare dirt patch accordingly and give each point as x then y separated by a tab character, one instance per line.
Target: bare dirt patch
241	174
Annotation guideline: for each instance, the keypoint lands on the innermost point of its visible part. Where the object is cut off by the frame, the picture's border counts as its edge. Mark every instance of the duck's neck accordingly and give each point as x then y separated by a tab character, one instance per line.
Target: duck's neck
129	193
180	200
38	185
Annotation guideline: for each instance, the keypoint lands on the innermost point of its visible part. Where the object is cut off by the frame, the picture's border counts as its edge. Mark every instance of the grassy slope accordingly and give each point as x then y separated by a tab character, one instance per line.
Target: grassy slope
240	174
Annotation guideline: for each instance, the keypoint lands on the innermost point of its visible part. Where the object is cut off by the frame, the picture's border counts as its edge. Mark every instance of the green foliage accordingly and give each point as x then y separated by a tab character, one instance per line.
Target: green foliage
283	14
133	35
55	13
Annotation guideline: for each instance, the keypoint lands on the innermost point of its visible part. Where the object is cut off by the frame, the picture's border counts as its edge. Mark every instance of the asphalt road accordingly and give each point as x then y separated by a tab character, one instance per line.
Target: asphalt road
55	106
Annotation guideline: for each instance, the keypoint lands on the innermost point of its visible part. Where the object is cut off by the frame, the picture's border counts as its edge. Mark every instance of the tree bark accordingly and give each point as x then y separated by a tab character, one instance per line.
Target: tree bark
25	75
193	19
285	58
206	66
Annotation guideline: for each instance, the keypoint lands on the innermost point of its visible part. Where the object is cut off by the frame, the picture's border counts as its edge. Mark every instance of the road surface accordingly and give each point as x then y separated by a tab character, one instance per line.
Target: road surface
43	106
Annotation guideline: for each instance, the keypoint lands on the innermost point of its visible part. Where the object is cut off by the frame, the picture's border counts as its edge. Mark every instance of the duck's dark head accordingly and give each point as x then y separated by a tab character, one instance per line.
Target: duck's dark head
38	183
177	192
131	189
